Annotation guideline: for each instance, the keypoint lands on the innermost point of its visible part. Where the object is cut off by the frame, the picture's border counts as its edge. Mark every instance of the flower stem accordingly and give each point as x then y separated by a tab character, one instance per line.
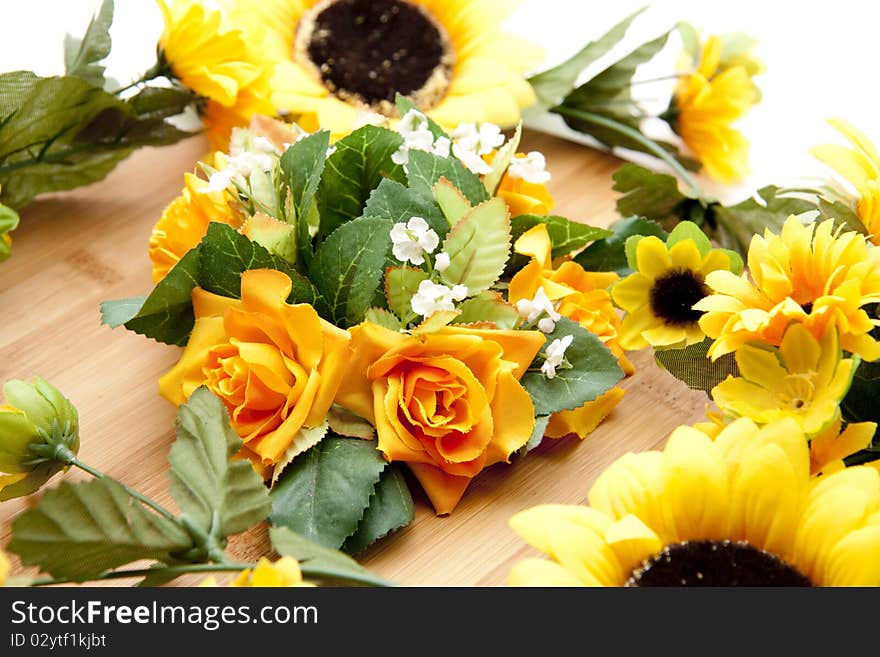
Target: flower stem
625	130
159	69
182	569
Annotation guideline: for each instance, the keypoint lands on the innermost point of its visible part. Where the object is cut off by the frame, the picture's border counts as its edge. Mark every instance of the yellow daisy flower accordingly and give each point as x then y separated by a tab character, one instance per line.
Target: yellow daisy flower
334	57
860	166
669	279
810	275
738	510
804	380
705	105
185	221
831	446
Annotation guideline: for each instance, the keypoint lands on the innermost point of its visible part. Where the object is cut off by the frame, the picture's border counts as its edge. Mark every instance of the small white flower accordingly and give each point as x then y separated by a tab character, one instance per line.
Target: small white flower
532	168
481	138
434	297
412	121
331	150
471	159
366	117
441	262
555	354
441	147
411	240
417	136
546	325
532	309
262	145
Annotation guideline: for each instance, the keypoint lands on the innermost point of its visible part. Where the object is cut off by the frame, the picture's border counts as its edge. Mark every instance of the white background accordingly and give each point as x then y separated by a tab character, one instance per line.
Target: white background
821	57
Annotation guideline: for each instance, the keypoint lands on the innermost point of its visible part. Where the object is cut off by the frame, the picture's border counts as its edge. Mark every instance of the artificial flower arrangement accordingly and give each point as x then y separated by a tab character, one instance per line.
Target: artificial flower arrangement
323	64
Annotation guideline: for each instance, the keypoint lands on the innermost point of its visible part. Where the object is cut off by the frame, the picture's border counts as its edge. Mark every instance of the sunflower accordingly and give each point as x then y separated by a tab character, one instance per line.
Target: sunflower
217	62
185	220
738	510
809	274
804	380
860	166
669	279
705	105
334	57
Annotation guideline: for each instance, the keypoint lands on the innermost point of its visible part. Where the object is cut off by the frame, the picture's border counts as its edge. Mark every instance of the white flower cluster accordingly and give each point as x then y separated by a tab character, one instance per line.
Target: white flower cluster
417	136
532	168
530	310
434	297
412	240
555	354
473	140
247	154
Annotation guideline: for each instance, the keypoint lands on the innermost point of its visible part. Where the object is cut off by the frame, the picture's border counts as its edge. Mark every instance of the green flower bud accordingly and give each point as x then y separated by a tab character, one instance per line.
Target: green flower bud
39	434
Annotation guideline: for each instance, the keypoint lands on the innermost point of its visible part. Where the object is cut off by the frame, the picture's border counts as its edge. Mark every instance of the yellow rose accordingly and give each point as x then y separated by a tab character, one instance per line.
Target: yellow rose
448	403
276	366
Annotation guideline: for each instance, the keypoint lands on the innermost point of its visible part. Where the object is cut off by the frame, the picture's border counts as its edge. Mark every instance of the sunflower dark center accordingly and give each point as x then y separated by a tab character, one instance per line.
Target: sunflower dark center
673	295
366	51
715	563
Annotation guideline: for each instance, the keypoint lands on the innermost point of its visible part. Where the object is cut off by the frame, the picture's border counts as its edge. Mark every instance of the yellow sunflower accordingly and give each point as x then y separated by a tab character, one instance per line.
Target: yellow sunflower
334	57
669	279
738	510
860	166
185	221
705	105
809	274
804	380
218	62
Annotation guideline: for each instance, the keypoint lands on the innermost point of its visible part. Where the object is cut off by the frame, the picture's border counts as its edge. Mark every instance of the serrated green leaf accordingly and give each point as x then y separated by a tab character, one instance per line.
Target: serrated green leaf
345	423
693	366
553	85
609	254
435	322
360	162
401	284
648	194
302	166
304	440
502	161
116	313
391	200
478	247
78	531
451	201
348	267
219	495
324	493
594	371
390	508
404	105
321	563
566	236
425	169
82	56
537	436
488	306
384	318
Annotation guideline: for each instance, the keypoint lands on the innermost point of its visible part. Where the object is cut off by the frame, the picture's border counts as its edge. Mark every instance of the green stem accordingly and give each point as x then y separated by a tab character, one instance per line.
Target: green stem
650	145
331	573
158	70
144	572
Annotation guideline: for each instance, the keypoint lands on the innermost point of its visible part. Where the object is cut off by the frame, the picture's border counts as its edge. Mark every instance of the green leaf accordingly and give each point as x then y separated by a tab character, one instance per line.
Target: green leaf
348	266
8	223
384	318
478	247
116	313
860	403
502	161
360	162
687	230
649	194
81	56
404	105
401	284
324	493
594	371
488	306
553	85
319	563
451	201
390	508
391	200
219	495
78	531
566	236
609	254
302	165
693	366
425	169
537	436
161	102
345	423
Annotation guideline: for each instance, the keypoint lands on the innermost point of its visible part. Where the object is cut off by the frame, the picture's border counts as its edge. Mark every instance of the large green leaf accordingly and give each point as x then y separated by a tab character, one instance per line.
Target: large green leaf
302	165
488	306
82	56
649	194
593	371
393	201
553	85
360	162
609	254
478	247
693	366
78	531
425	169
348	267
321	564
324	493
390	508
219	495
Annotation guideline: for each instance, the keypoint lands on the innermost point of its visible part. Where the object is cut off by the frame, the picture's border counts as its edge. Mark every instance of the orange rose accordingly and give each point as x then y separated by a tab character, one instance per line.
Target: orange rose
448	403
583	297
276	366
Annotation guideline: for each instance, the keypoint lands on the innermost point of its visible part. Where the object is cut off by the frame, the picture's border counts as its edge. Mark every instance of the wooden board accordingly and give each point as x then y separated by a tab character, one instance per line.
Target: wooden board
77	249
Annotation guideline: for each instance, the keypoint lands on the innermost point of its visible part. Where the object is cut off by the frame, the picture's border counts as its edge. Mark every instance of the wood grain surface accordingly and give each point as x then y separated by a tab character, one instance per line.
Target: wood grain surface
76	249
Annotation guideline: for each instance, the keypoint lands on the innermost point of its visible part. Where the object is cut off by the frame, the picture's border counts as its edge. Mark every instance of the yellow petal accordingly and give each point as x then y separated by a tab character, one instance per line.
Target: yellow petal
632	485
632	541
652	257
541	572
